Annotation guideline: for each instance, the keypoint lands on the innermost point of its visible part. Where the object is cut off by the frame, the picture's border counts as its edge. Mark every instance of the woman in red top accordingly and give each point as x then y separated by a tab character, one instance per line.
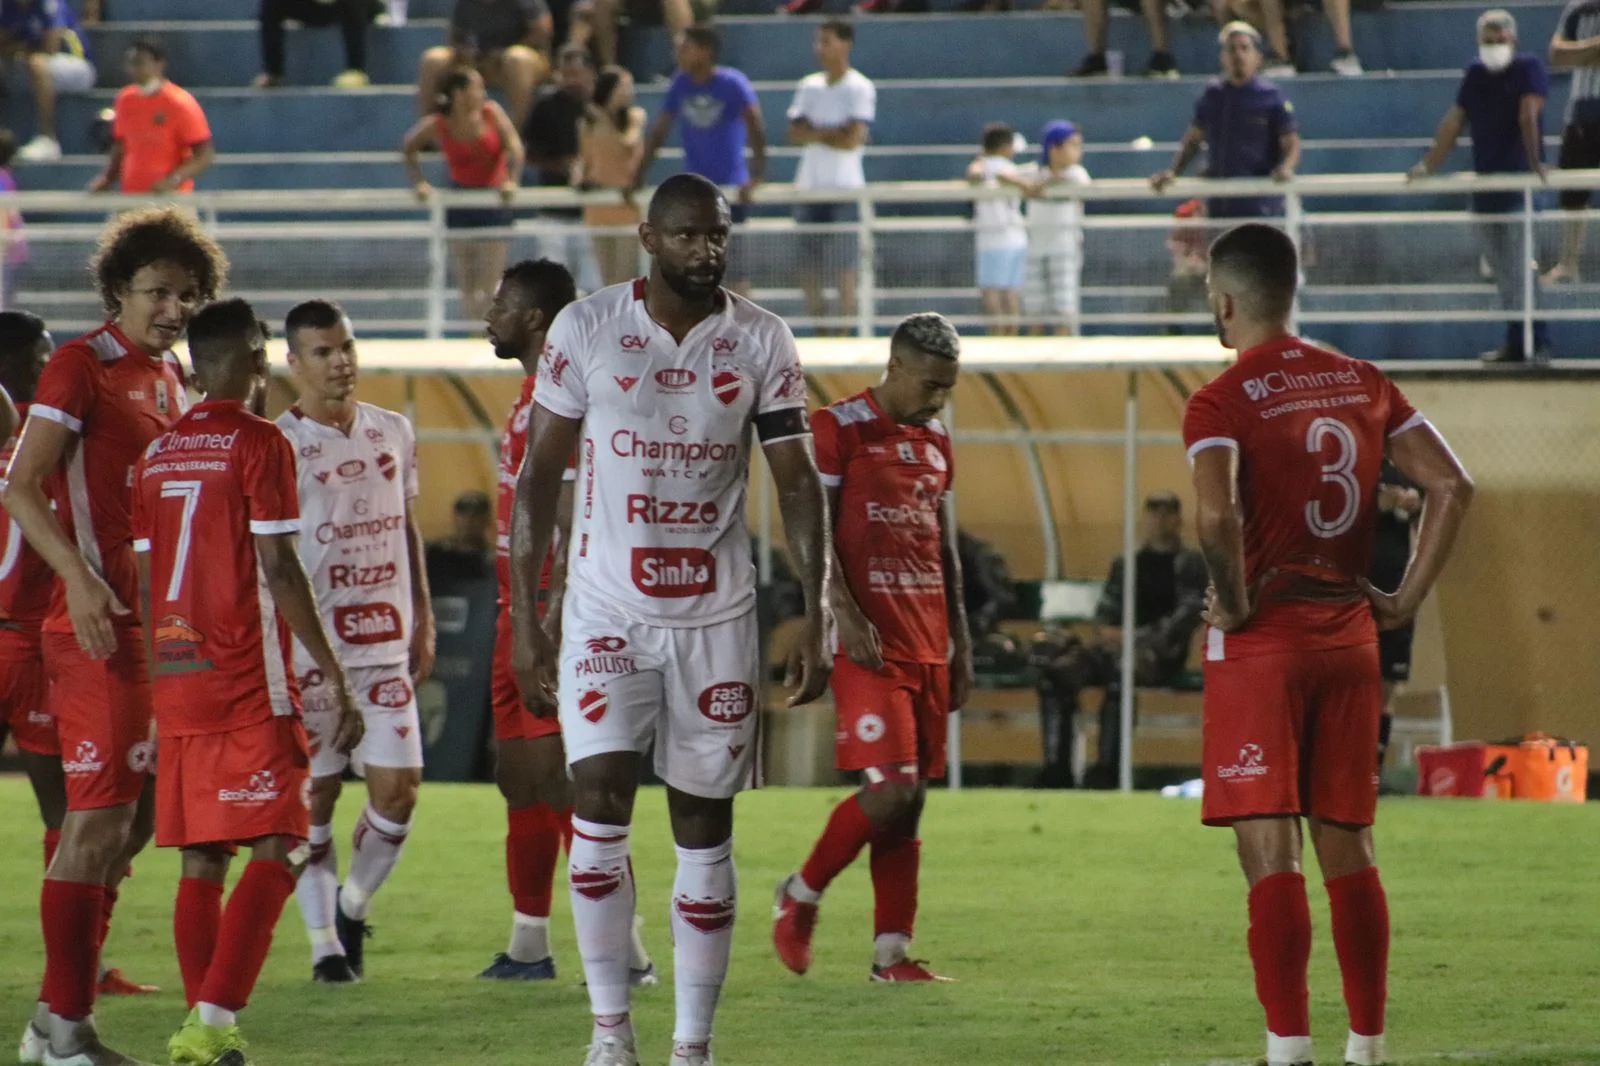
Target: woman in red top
482	151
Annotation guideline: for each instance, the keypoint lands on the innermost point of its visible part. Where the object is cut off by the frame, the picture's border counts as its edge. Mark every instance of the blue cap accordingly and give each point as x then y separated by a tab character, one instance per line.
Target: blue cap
1057	132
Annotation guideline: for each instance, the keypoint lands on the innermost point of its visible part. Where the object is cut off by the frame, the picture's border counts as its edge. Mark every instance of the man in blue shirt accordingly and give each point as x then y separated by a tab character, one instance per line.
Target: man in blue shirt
1246	125
1501	98
57	51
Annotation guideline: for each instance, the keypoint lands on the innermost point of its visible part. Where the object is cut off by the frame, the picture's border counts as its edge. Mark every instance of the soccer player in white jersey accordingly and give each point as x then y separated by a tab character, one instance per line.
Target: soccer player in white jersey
357	470
658	382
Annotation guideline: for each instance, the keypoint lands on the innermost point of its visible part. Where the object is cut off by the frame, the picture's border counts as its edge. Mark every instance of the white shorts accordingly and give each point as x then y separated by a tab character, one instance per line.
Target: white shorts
1053	285
388	704
694	693
71	74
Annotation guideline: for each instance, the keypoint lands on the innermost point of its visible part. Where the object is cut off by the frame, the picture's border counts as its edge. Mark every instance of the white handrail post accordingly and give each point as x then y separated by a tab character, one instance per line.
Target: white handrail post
1293	212
866	256
1528	284
438	270
1130	565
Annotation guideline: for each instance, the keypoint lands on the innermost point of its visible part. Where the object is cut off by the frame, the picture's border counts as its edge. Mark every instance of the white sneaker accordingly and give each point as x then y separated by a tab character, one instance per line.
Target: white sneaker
31	1049
1279	71
691	1055
1347	64
41	149
83	1047
611	1051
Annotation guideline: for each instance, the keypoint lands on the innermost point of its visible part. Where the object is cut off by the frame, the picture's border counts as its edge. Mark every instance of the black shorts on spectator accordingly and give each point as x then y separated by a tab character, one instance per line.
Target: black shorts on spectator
351	16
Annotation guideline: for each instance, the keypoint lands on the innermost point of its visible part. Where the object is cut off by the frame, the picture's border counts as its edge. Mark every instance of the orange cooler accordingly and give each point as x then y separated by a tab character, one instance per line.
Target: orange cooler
1538	767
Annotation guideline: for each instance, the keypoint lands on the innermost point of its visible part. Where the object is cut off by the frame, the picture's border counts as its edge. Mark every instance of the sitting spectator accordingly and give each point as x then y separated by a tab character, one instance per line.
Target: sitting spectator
1576	47
1096	27
14	249
595	22
1268	17
482	151
610	145
1169	594
351	16
1501	97
1002	235
1246	126
468	552
986	587
551	138
830	117
506	40
1055	232
161	141
57	51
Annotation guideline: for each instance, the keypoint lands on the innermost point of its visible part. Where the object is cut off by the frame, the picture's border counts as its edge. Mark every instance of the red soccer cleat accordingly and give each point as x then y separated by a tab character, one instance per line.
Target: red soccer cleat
905	970
792	925
113	983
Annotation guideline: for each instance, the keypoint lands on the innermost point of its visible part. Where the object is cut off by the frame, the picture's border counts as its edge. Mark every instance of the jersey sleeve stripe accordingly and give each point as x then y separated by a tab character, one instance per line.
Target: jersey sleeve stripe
1409	424
141	544
55	414
282	525
1211	442
779	440
833	481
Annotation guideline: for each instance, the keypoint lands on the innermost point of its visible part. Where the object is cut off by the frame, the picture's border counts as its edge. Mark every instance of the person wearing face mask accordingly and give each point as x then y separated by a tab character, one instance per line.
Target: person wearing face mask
1501	99
161	140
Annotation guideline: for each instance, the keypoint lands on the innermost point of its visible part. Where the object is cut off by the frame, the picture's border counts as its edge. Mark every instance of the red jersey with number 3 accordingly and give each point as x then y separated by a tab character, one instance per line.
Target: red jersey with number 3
26	580
202	493
1311	428
513	446
892	481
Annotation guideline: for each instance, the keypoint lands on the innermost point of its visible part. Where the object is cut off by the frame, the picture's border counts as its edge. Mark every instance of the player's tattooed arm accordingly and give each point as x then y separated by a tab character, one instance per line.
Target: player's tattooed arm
291	592
551	441
1220	528
804	507
556	594
423	637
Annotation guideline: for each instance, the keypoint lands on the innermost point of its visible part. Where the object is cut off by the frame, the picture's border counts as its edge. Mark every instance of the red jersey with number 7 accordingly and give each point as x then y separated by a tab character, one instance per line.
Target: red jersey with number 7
202	493
1311	428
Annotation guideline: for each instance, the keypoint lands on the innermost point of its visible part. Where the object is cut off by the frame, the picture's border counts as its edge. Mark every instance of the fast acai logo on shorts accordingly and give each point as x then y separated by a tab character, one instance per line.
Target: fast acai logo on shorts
728	703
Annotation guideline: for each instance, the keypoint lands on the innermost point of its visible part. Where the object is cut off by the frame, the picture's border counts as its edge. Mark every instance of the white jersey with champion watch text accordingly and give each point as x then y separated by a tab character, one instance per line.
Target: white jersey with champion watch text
353	495
658	527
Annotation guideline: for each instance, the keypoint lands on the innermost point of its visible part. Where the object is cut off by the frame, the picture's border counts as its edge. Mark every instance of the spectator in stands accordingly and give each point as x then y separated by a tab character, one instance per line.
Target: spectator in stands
351	16
986	587
1246	125
1096	27
551	137
610	145
1501	97
59	63
1576	47
468	552
1268	17
1055	232
161	141
14	249
594	22
830	118
505	40
1001	232
1187	243
1399	508
1169	593
721	114
482	151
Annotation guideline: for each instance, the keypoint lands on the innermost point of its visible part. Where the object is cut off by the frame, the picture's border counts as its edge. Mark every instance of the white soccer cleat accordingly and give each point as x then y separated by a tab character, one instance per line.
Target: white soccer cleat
41	149
611	1051
691	1055
31	1049
641	971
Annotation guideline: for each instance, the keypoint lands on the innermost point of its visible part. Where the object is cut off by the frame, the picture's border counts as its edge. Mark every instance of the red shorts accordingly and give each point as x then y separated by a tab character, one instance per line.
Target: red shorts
511	719
1293	734
102	712
892	717
23	704
234	787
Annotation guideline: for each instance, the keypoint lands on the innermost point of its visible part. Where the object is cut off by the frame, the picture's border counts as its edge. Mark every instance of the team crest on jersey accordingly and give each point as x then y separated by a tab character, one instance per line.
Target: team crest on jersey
725	386
387	465
935	457
907	452
163	398
594	704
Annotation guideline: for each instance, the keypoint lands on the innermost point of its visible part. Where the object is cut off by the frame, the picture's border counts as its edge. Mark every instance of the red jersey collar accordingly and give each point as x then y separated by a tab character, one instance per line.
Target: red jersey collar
130	348
218	405
1273	347
872	402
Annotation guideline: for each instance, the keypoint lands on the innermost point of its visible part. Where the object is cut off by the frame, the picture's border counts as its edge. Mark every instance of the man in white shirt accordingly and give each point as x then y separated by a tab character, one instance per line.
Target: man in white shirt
830	118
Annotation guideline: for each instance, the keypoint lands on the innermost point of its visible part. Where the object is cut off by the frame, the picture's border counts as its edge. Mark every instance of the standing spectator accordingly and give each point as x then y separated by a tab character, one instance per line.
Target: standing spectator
505	40
352	18
1246	125
551	137
1187	244
482	150
720	114
1576	47
468	552
1096	27
1002	234
13	242
610	145
161	141
594	22
1399	510
1267	16
1055	232
1501	98
830	117
47	32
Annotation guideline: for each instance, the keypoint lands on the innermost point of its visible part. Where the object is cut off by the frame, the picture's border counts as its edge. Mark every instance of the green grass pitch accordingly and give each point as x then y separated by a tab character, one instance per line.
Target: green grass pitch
1083	929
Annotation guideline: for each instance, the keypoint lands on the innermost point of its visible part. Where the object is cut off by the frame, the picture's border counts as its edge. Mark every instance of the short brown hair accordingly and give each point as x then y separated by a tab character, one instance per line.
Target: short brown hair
154	235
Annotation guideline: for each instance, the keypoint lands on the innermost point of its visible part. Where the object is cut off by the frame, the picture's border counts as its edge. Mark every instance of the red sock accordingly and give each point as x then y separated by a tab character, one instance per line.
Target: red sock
1280	950
847	833
245	936
533	845
1361	939
195	920
107	905
895	864
52	841
71	914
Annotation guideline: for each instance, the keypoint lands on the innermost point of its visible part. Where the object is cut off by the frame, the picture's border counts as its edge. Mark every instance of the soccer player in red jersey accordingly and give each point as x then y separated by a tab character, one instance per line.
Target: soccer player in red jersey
215	515
1286	447
895	588
101	400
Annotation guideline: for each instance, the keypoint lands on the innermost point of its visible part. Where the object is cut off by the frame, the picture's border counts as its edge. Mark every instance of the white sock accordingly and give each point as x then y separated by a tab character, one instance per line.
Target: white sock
377	847
318	893
889	948
1287	1050
530	938
638	954
1365	1050
704	901
601	884
217	1017
798	890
